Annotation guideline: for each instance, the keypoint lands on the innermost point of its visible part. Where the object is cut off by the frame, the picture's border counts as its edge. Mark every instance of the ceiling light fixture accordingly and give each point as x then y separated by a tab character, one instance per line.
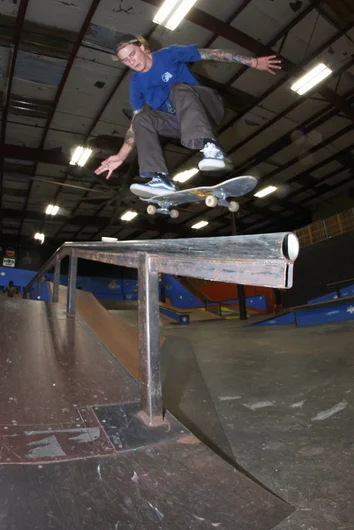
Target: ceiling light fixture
80	156
172	12
185	175
199	225
39	237
311	79
266	191
52	209
129	215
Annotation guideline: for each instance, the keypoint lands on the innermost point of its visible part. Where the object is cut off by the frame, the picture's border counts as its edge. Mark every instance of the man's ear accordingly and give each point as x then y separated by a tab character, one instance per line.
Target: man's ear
142	47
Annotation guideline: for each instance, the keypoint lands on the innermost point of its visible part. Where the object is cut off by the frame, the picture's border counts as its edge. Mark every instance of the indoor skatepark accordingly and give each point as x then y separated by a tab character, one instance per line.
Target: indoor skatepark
176	373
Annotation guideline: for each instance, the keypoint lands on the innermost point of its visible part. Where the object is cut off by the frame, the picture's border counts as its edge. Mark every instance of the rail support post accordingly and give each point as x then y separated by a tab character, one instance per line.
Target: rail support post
71	299
149	343
56	280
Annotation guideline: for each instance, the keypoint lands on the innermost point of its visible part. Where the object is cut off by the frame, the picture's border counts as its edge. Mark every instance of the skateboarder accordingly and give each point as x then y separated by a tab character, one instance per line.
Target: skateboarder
178	107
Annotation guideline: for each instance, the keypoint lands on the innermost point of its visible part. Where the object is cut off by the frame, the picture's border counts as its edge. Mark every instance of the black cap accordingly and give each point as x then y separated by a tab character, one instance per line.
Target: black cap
126	39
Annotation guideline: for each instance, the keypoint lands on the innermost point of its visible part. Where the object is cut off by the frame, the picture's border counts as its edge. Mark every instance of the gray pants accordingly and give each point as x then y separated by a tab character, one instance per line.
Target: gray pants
196	108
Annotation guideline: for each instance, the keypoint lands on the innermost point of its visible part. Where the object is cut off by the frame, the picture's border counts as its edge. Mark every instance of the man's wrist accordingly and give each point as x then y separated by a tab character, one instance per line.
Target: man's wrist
255	63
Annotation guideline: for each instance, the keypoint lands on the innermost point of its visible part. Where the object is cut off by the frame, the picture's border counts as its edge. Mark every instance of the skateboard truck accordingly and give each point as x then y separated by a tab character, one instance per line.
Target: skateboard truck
211	201
152	210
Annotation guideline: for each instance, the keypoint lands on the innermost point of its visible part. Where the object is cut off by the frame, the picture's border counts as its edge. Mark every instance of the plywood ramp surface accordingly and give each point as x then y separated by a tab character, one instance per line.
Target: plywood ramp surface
120	338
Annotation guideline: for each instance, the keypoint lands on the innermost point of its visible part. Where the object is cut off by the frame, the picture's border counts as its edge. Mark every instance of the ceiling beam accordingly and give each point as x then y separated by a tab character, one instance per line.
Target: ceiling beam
336	100
21	14
286	140
32	215
46	156
317	166
301	100
158	223
223	29
76	46
312	150
281	35
33	154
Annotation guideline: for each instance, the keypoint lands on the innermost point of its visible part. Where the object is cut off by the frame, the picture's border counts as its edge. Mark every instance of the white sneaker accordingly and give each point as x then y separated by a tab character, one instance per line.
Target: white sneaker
213	157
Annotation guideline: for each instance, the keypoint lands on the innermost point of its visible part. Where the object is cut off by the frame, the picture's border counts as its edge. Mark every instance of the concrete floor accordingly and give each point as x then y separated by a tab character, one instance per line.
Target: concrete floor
279	402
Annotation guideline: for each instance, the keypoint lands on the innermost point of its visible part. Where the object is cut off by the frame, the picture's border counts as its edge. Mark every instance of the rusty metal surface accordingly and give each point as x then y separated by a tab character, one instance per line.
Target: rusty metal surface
71	298
149	341
200	257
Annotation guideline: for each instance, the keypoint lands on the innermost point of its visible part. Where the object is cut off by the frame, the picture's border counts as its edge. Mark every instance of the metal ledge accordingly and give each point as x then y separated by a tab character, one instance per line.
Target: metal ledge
261	260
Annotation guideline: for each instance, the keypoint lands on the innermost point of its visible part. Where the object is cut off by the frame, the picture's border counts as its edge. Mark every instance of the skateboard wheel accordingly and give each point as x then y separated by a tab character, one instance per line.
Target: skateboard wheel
211	201
174	214
234	206
151	209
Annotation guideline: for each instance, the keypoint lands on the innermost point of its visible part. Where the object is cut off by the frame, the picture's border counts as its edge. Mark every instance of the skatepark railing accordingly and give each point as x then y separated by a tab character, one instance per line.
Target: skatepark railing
262	260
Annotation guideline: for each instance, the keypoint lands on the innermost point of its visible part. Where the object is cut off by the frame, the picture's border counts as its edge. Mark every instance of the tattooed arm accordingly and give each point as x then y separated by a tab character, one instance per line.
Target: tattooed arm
227	56
268	64
115	161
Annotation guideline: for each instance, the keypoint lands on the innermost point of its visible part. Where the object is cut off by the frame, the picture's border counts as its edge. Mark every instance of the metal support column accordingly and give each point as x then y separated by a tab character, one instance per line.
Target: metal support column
149	343
56	280
242	302
71	299
38	288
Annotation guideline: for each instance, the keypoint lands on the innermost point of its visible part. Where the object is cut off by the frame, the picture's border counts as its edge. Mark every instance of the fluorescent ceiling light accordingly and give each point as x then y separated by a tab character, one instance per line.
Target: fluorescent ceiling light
52	210
80	156
39	236
265	191
129	215
186	175
172	12
199	225
311	79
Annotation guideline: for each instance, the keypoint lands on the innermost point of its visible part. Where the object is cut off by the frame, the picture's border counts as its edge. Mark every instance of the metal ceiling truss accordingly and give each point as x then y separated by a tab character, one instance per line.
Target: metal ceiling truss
307	175
8	84
164	226
72	57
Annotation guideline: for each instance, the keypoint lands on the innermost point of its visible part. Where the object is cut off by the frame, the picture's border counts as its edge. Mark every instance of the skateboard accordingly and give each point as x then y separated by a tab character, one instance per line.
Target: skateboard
218	195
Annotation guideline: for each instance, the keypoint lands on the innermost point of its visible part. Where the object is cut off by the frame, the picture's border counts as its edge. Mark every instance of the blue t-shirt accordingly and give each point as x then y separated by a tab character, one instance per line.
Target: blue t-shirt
168	68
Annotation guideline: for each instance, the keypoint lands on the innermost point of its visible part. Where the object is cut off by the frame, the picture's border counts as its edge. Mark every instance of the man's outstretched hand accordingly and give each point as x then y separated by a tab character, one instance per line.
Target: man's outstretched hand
269	63
110	164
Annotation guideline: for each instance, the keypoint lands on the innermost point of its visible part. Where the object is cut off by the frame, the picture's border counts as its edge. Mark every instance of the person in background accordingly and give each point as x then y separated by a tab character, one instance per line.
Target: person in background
10	289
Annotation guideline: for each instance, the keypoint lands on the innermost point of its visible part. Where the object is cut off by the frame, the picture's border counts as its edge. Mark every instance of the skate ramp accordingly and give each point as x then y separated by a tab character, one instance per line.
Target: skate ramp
118	336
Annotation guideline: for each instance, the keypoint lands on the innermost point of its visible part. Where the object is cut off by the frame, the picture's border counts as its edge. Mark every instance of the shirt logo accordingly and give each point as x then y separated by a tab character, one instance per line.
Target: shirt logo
166	77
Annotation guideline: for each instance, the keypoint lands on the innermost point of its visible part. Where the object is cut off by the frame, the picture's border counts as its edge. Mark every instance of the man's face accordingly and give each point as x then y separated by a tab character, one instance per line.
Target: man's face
133	56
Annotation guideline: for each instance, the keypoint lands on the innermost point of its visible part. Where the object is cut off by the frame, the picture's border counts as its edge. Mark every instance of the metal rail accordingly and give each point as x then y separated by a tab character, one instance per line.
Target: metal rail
262	260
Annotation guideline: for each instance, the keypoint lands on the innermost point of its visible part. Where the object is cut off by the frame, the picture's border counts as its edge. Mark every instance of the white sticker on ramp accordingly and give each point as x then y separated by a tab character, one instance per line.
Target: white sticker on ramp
46	448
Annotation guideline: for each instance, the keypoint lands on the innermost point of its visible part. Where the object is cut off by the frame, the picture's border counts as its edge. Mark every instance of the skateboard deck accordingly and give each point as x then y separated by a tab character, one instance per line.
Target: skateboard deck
218	195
